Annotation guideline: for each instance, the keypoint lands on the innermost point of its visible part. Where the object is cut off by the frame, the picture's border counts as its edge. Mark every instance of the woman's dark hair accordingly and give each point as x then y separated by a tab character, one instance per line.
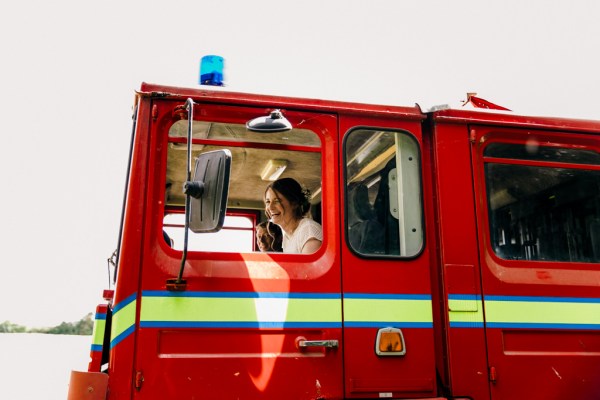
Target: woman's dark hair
294	193
275	233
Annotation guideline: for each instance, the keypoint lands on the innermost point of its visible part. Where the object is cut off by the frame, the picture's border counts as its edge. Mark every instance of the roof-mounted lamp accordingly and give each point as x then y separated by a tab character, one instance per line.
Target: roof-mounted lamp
274	122
211	71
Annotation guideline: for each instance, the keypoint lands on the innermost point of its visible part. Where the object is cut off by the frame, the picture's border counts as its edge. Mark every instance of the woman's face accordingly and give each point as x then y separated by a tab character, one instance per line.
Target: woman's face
263	239
279	209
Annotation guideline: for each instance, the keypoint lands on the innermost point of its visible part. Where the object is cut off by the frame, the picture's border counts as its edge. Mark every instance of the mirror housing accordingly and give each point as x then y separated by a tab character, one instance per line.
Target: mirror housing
208	191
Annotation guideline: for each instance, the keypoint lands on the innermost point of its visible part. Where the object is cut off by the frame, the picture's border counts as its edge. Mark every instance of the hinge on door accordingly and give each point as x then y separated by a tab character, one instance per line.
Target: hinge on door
493	375
472	135
154	113
139	379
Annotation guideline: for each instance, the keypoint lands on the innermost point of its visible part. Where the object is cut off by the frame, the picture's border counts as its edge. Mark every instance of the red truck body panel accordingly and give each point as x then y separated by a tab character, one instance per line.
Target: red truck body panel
485	308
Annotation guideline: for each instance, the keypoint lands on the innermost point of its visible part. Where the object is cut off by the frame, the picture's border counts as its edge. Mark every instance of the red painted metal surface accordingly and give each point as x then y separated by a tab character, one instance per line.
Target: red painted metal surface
458	253
128	272
250	361
476	361
87	385
367	375
562	360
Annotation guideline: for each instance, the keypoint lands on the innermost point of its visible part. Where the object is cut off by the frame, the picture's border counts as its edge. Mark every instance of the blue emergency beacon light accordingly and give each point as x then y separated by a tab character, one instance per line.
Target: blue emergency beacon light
211	71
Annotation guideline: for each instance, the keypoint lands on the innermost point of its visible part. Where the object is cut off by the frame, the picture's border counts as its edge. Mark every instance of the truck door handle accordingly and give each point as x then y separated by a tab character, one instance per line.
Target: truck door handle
330	344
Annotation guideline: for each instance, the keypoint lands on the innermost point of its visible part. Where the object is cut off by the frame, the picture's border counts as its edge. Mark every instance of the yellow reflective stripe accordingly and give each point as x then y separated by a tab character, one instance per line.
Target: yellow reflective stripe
464	304
122	320
524	312
239	309
98	332
465	312
542	312
321	310
196	310
393	311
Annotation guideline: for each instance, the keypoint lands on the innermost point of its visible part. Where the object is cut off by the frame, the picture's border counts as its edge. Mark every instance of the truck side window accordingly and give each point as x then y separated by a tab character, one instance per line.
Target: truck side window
383	193
543	202
236	229
257	160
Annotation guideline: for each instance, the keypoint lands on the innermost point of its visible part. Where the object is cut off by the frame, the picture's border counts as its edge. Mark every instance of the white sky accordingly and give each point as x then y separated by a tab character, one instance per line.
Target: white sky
69	70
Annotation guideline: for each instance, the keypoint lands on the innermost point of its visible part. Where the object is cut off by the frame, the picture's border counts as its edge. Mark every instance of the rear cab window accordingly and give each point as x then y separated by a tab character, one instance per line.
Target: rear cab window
543	201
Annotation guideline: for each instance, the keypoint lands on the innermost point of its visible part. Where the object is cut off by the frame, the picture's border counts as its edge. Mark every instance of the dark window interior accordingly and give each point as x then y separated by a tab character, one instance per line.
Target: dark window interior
549	211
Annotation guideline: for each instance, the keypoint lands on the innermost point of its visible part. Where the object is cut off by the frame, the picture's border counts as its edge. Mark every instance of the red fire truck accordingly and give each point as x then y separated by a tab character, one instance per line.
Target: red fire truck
459	260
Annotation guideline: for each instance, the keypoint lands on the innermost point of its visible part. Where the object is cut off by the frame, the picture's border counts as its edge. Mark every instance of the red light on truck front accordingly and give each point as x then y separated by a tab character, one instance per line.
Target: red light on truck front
108	294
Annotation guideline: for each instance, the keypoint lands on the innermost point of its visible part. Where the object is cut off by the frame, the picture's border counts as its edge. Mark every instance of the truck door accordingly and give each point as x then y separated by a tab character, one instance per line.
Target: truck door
538	209
248	325
388	339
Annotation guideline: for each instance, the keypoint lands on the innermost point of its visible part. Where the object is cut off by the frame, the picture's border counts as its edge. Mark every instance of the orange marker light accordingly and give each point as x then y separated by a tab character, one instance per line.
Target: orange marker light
390	342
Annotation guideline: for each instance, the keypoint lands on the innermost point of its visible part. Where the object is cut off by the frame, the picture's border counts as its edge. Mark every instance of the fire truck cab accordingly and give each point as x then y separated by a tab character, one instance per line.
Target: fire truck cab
459	260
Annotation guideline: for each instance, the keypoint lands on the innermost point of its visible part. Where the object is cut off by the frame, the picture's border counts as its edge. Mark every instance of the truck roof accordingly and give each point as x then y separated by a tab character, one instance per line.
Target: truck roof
445	114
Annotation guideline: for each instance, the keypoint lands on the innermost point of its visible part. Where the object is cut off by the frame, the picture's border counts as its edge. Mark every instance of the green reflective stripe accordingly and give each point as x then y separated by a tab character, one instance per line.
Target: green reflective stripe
122	320
547	312
229	309
98	332
467	311
387	310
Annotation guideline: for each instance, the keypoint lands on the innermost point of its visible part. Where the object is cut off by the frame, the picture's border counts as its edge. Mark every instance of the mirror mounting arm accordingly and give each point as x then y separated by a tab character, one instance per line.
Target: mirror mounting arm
179	284
205	195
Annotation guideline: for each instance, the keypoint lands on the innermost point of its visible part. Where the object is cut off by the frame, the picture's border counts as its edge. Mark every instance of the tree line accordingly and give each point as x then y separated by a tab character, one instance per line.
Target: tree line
82	327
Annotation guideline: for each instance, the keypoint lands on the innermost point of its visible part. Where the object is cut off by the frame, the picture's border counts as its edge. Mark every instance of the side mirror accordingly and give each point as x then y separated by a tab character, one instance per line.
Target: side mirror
209	190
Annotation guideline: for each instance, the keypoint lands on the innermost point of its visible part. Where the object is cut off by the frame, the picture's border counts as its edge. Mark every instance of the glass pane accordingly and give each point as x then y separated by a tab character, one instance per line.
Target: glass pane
229	239
383	209
541	213
231	221
532	151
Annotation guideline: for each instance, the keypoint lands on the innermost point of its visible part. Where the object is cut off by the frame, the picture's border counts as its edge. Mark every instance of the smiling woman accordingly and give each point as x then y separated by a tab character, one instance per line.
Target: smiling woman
288	205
